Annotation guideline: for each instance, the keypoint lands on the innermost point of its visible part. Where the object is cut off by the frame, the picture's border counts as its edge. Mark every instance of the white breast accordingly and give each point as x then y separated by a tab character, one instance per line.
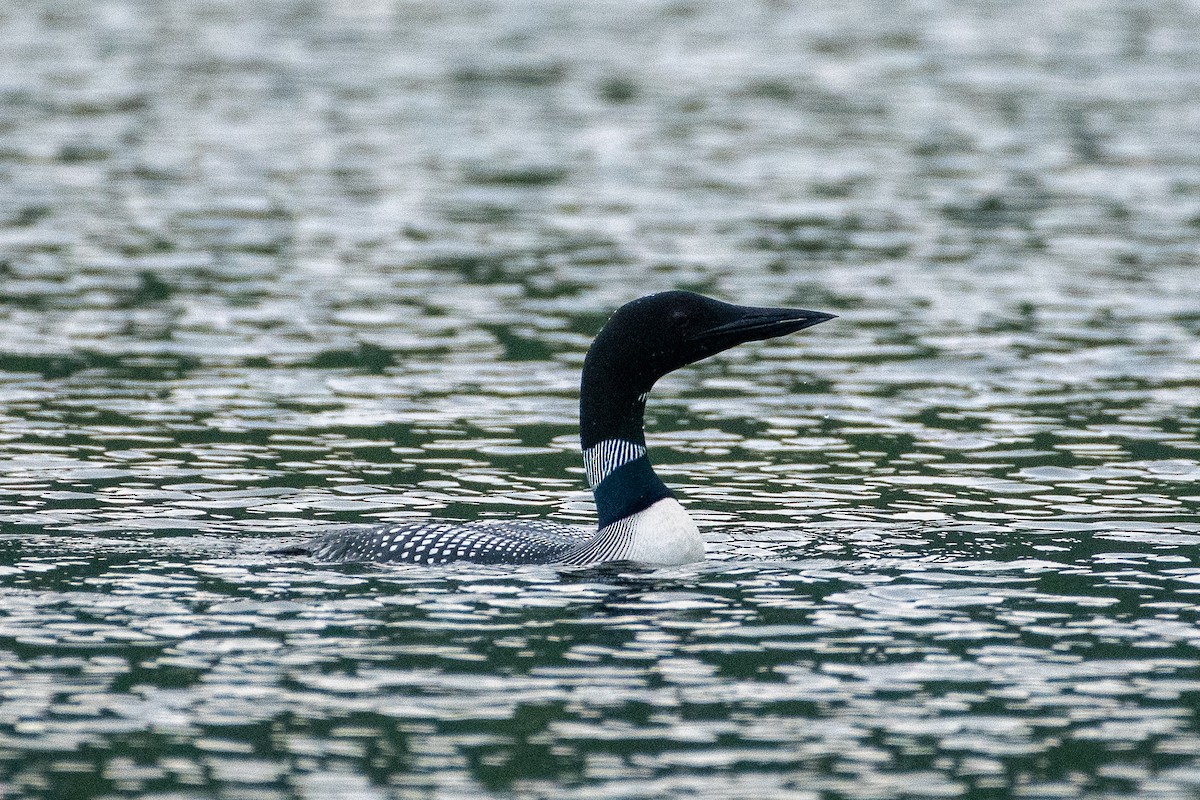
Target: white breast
664	534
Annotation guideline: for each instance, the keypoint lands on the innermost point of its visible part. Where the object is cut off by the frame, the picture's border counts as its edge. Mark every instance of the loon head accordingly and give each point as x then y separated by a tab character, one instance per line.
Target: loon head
649	337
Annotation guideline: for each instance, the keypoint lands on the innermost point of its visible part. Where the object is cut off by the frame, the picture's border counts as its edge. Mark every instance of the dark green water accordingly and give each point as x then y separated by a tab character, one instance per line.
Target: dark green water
270	268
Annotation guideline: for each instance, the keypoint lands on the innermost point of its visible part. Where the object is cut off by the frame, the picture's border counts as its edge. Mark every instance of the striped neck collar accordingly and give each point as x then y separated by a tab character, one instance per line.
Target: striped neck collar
622	480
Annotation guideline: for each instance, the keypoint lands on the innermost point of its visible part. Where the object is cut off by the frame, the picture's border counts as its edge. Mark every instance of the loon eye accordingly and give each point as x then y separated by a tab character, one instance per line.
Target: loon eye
680	318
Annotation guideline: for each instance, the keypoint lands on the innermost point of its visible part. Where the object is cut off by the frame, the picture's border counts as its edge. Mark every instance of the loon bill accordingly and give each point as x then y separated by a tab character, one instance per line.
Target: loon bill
640	520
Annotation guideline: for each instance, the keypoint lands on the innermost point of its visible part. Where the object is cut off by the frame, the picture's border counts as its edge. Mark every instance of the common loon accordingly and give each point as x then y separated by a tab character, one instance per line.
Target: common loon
640	520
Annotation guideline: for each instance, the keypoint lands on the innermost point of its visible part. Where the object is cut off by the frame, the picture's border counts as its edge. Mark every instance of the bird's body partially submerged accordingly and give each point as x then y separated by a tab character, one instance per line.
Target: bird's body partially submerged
640	520
663	533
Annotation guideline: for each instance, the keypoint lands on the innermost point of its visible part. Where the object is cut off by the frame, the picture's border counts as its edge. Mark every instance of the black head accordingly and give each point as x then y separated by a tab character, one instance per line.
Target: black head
651	336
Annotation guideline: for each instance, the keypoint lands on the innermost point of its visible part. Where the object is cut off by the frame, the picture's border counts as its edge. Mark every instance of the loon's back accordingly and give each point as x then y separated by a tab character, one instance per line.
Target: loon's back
484	542
640	520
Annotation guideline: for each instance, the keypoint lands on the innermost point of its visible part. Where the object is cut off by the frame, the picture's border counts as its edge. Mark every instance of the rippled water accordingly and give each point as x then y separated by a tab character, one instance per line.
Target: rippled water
270	268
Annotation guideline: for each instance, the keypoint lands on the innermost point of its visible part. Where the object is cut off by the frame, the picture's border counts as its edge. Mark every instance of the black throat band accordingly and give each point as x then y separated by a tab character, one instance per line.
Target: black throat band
627	490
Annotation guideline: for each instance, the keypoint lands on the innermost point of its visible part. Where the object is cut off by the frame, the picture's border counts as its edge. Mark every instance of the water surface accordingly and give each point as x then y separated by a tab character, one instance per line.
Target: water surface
268	270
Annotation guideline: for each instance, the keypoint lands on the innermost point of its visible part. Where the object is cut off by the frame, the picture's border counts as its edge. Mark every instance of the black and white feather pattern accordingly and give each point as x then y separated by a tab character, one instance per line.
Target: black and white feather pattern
509	542
601	459
612	543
